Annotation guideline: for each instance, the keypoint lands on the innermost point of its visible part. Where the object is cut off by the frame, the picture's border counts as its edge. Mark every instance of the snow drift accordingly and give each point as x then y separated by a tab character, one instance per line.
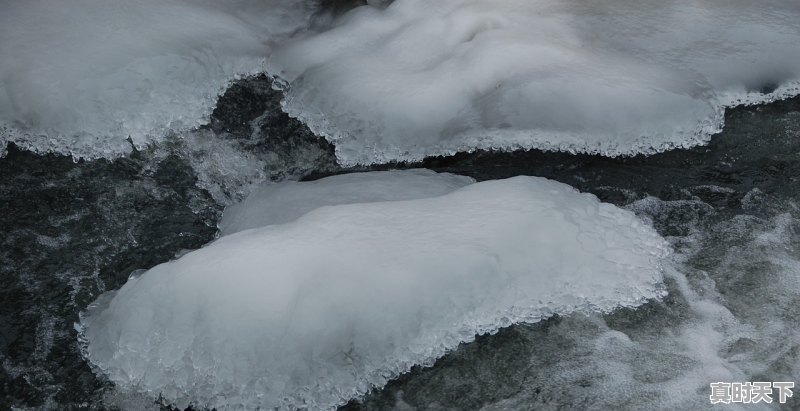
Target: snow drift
82	76
610	76
93	78
316	311
275	203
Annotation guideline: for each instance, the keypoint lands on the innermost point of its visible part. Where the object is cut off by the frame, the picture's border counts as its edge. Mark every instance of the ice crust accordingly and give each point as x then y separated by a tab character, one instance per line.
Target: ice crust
613	77
80	77
276	203
316	311
399	82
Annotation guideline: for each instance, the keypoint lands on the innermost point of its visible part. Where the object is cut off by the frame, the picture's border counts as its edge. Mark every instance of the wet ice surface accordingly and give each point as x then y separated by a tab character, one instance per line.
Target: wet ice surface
729	209
610	76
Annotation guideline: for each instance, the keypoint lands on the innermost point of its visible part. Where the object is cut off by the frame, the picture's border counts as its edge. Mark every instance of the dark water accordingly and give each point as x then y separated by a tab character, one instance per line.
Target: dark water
73	230
70	232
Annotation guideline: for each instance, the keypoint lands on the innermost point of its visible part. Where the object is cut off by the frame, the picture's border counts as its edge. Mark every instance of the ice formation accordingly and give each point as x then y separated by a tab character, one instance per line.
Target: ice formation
402	81
82	76
286	201
315	311
611	76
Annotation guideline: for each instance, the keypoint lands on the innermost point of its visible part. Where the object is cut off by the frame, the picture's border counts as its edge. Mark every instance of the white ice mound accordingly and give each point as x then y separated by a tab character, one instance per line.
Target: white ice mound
276	203
81	76
314	312
609	76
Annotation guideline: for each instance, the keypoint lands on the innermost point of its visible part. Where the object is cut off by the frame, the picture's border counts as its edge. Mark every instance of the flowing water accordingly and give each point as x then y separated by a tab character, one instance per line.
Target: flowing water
729	209
120	156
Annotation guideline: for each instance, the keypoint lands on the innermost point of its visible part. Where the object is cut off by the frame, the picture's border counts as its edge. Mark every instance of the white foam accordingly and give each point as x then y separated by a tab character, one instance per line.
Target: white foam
732	317
82	76
311	313
612	76
276	203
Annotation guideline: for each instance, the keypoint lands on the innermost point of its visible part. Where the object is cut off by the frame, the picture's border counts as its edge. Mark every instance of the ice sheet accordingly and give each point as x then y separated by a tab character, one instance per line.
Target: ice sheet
611	76
314	312
80	77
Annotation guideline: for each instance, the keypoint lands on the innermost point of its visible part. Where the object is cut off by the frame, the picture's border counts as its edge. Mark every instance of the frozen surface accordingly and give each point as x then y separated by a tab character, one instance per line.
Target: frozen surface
94	78
610	76
278	203
296	314
82	76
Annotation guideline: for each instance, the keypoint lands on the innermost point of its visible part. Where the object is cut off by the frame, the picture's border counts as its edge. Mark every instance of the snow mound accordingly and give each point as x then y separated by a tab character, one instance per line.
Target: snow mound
276	203
314	312
80	77
614	77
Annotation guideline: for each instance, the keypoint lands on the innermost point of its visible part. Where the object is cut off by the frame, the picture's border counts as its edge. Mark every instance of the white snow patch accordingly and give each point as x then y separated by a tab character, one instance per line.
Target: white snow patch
276	203
613	77
79	77
314	312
